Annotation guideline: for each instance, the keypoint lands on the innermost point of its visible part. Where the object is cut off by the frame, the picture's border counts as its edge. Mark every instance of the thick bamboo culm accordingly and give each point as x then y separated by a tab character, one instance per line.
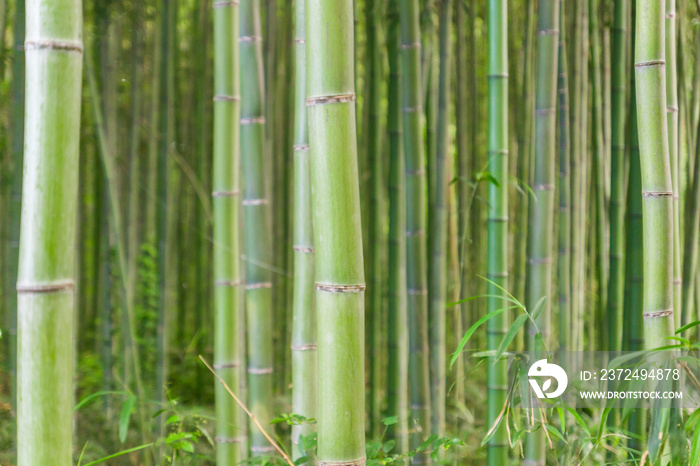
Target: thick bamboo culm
303	344
256	226
541	235
497	377
416	276
340	280
230	438
657	188
45	278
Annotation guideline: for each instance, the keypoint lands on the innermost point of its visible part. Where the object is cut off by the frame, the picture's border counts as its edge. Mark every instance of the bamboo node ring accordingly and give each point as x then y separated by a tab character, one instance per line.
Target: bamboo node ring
417	291
650	63
252	121
671	109
46	287
252	202
230	283
308	347
412	45
330	99
227	365
542	260
299	41
257	286
226	98
221	4
235	192
360	462
262	448
304	249
548	32
657	193
656	314
415	233
332	288
62	45
417	108
249	38
260	370
298	147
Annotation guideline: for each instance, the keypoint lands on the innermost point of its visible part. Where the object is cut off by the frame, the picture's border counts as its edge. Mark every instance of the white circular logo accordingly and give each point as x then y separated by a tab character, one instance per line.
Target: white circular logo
542	368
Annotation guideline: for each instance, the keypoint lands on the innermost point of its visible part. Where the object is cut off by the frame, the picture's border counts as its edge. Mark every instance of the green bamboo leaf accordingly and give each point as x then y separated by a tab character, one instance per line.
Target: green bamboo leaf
391	420
538	308
124	417
470	332
687	326
695	447
92	396
123	452
510	334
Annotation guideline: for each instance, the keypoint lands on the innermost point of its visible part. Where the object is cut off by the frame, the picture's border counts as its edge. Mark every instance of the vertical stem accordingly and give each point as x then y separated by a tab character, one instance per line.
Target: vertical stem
230	438
438	229
541	235
304	311
340	281
397	328
45	280
256	221
497	260
617	173
657	188
416	278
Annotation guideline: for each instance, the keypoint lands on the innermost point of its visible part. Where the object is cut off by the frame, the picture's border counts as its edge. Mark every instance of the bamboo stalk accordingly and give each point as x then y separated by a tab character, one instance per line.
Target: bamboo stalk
657	188
256	221
497	259
340	280
564	231
617	172
45	286
416	279
397	328
303	342
225	201
541	234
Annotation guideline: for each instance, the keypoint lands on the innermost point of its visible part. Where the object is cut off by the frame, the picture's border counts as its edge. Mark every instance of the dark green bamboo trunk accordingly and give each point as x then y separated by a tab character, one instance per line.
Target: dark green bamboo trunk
497	258
304	307
226	245
564	231
335	203
617	173
397	325
256	220
541	235
45	286
416	278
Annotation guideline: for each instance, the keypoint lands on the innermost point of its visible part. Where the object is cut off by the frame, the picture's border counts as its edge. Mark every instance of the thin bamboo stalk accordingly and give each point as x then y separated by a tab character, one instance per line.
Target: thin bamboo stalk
617	172
397	327
335	204
256	221
226	245
416	278
45	279
542	211
497	258
304	309
673	147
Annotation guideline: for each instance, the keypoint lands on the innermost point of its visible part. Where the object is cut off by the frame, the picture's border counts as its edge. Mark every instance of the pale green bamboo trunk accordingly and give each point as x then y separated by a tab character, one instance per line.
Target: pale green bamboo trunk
335	203
673	148
497	256
45	286
304	307
230	438
616	281
542	210
438	229
256	221
397	326
657	188
416	278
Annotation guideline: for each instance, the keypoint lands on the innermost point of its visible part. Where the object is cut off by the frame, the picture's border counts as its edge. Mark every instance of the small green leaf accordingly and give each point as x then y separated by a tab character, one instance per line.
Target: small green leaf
508	337
391	420
687	326
388	446
470	332
125	416
172	419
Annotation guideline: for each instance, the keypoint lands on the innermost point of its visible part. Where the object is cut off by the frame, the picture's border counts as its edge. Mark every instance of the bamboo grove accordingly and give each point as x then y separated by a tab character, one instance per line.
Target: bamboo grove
324	232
